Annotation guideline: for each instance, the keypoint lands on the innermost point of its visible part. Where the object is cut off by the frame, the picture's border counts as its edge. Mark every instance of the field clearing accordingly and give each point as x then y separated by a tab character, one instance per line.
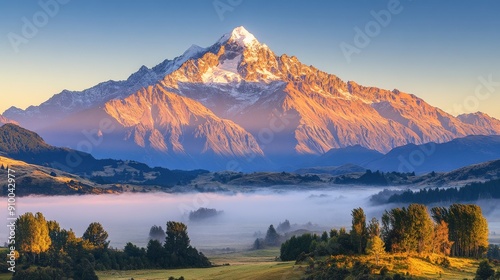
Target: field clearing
259	264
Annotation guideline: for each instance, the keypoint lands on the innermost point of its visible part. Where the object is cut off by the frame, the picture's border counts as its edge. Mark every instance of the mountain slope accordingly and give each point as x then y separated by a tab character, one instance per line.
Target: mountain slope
178	126
39	180
356	155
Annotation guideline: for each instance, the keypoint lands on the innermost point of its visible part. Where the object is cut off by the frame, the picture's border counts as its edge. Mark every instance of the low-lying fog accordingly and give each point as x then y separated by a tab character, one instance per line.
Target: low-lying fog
128	217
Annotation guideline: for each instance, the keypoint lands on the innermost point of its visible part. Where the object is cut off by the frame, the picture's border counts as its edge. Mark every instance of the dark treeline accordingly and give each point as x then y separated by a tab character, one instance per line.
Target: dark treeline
470	192
46	251
460	230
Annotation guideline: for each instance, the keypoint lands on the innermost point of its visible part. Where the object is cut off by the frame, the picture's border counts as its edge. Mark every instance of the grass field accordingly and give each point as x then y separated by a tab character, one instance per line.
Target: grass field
262	265
243	265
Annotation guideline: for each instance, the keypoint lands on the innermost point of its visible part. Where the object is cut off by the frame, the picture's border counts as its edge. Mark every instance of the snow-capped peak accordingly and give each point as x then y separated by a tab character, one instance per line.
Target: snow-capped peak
192	51
240	36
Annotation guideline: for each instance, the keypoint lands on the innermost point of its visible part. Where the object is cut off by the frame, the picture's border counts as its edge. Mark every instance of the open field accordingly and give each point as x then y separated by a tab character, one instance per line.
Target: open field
243	265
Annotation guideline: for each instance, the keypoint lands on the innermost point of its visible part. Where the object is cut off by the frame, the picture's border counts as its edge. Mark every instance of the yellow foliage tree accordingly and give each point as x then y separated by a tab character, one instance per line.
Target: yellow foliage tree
375	247
32	234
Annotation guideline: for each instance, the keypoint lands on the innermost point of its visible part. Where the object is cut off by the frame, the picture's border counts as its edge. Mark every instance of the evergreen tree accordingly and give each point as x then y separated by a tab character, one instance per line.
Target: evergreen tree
177	239
272	237
374	228
485	271
359	234
96	236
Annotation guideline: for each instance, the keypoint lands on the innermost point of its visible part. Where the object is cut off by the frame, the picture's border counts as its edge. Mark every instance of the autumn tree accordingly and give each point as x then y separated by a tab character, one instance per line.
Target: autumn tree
96	236
441	242
375	247
359	232
408	229
32	234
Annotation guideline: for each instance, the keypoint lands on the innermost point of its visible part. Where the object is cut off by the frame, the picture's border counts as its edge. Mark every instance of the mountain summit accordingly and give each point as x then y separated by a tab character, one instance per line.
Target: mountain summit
240	36
238	105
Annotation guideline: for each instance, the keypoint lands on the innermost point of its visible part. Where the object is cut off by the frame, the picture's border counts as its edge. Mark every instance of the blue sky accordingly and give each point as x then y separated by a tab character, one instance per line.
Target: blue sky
441	51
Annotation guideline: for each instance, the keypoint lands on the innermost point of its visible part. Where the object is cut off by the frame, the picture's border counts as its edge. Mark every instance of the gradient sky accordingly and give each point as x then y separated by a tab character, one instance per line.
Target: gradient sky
436	50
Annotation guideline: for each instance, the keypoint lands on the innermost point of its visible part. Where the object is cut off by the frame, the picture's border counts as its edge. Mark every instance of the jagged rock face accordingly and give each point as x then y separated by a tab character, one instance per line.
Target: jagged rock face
238	99
166	122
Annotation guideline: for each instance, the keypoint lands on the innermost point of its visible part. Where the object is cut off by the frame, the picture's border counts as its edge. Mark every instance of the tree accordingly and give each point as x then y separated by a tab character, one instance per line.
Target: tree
468	229
157	232
375	247
284	227
32	234
272	237
177	239
484	271
155	253
359	234
96	236
421	228
374	228
441	241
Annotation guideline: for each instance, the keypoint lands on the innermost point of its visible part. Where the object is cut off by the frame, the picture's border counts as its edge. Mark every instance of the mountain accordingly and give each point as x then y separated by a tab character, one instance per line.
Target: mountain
237	105
439	157
4	120
356	155
482	120
68	102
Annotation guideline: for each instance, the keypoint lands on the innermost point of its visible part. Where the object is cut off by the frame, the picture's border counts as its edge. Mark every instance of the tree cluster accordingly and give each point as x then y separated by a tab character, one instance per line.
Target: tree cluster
46	251
460	230
203	213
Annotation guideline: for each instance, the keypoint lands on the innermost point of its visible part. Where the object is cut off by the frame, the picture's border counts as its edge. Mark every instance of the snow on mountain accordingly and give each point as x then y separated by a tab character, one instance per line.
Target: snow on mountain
68	102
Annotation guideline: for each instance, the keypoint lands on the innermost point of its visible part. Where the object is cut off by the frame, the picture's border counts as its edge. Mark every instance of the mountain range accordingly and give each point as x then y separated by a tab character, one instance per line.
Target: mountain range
236	105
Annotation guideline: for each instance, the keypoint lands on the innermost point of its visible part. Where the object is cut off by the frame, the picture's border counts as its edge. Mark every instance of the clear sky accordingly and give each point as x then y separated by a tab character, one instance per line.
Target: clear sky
437	50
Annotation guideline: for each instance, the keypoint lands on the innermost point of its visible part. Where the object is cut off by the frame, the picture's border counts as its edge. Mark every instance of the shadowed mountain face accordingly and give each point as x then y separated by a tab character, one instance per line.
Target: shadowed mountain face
237	105
439	157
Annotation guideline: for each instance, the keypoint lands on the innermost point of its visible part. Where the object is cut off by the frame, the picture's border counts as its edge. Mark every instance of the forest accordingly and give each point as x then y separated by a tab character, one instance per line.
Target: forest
470	192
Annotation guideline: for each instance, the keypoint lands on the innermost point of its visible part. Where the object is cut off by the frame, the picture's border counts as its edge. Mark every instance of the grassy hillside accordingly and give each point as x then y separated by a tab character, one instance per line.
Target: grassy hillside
34	179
